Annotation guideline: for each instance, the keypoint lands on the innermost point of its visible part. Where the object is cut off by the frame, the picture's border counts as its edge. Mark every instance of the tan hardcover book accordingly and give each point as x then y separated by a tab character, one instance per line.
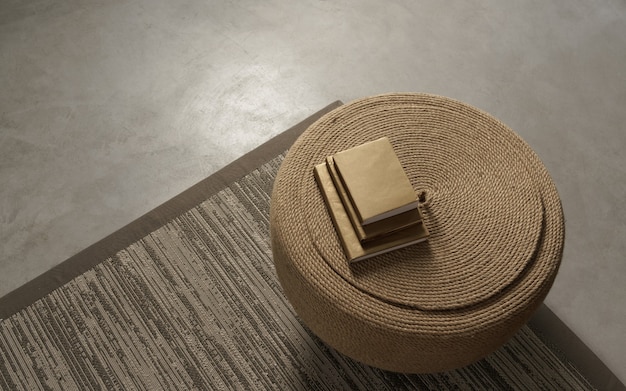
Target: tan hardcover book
353	248
375	181
377	229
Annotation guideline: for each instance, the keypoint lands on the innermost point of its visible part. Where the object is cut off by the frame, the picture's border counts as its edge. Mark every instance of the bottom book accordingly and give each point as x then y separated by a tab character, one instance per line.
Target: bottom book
353	248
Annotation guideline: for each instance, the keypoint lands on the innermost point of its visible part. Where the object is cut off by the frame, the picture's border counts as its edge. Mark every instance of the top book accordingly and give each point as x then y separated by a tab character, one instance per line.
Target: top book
375	181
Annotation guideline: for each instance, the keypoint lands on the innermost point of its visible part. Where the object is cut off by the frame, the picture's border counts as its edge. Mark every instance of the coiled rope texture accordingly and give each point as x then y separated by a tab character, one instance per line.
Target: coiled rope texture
496	237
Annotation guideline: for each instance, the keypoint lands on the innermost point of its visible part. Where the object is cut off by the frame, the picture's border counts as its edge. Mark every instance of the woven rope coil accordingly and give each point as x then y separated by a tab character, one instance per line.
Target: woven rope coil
496	241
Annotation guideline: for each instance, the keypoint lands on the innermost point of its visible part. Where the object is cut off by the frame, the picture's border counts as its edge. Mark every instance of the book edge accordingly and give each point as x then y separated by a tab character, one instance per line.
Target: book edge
402	239
345	198
393	248
352	248
400	227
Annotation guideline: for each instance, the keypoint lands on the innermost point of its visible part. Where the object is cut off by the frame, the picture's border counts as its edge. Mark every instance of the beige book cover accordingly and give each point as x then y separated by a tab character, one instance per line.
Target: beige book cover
375	180
377	229
353	248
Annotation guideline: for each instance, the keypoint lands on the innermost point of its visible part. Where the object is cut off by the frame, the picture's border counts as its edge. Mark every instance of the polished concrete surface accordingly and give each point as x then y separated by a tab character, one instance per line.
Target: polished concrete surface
109	108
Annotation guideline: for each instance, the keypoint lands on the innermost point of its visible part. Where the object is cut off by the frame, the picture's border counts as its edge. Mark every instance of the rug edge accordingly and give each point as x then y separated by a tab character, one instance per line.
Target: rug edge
57	276
556	334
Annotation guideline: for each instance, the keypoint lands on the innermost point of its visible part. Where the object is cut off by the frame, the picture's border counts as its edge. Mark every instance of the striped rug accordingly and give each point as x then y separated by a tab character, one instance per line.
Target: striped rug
194	303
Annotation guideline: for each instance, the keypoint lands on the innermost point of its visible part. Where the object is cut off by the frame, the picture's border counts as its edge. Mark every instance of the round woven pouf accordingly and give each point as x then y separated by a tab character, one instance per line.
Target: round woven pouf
496	237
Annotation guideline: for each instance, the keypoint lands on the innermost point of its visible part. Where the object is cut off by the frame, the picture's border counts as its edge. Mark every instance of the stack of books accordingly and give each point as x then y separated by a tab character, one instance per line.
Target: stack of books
371	200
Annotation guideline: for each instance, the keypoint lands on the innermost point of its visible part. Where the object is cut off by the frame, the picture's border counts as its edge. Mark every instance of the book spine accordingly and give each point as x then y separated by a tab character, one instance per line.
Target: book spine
347	236
345	198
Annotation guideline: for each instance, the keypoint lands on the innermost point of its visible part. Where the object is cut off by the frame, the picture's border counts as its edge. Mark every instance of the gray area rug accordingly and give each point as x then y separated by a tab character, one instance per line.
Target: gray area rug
196	304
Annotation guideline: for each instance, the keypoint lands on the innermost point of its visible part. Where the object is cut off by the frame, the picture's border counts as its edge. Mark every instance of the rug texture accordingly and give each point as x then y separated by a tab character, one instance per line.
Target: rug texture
195	304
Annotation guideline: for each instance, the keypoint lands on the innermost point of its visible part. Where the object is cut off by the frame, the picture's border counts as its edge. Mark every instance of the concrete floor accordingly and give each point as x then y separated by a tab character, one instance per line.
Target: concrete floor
109	108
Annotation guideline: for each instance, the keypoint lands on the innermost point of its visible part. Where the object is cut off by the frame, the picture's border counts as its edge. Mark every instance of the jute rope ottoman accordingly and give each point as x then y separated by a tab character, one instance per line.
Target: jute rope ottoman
496	237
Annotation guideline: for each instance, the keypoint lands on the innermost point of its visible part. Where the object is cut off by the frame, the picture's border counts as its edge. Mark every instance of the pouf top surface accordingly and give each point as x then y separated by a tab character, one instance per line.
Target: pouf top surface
481	204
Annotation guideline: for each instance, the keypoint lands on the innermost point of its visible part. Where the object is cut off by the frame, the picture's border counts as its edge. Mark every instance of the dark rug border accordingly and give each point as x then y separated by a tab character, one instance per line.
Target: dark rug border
544	322
76	265
556	334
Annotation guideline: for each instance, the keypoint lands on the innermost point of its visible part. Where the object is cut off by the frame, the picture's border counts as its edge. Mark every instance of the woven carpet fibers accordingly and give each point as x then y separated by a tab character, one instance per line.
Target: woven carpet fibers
196	305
